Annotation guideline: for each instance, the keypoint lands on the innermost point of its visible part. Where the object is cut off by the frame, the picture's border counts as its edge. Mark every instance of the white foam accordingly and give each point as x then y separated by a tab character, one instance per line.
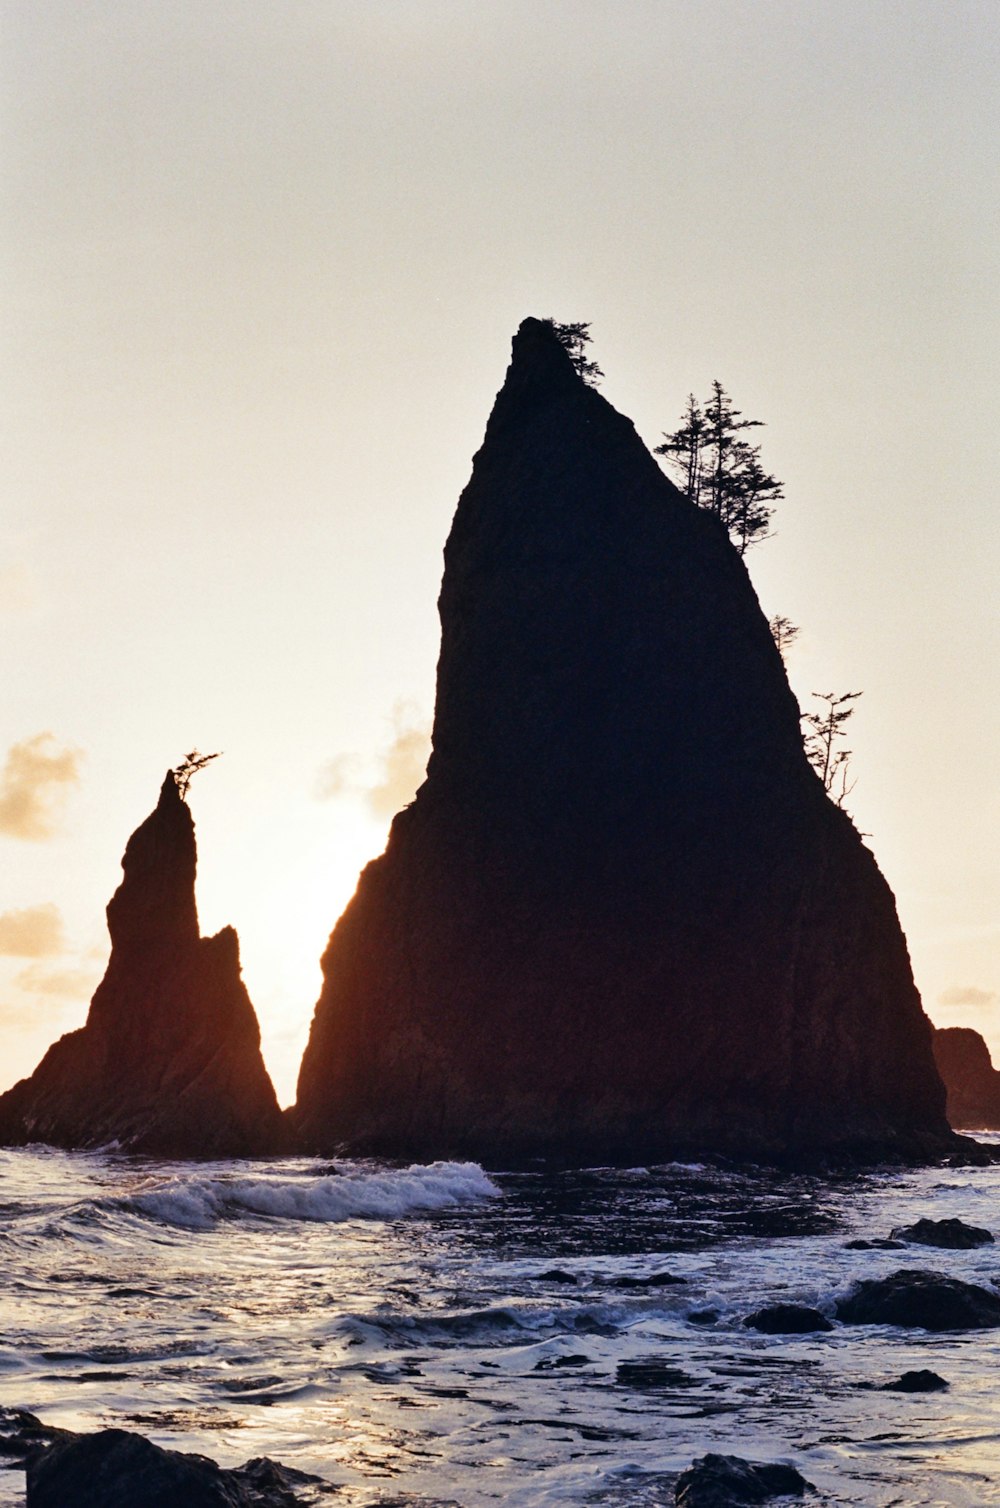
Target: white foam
199	1202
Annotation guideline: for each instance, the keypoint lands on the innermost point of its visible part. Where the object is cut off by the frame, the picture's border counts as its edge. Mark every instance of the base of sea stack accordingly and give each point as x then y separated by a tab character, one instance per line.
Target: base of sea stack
645	1148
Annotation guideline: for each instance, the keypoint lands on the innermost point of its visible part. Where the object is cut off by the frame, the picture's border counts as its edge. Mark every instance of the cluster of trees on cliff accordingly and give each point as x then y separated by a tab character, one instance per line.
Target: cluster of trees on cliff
720	470
718	467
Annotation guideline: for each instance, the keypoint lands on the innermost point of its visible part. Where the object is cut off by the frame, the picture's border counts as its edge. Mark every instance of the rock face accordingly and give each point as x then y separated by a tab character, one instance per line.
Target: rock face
169	1060
622	918
729	1481
973	1084
787	1319
117	1468
915	1299
953	1235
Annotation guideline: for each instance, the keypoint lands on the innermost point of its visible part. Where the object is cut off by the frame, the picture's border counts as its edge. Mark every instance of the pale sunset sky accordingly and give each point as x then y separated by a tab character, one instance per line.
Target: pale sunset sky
261	265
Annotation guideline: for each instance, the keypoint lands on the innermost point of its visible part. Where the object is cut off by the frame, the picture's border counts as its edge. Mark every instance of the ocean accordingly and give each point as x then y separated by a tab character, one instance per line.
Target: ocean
429	1334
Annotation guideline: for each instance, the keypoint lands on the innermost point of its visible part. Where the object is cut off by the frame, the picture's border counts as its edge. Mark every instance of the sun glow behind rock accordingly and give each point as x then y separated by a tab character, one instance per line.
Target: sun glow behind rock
283	903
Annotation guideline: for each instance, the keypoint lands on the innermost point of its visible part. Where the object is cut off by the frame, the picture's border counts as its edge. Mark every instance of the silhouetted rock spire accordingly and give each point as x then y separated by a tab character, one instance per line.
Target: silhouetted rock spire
971	1081
154	906
621	918
169	1060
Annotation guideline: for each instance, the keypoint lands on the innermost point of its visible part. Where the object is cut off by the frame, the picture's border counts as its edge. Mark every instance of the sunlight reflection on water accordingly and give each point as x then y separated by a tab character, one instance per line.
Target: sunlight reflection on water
453	1336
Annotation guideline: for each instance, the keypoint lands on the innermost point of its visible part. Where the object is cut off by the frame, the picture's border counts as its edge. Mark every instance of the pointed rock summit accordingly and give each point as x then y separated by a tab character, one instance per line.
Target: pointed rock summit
622	918
169	1060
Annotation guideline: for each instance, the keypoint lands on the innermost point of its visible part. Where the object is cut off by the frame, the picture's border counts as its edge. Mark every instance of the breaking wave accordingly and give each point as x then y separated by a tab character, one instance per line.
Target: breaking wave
200	1202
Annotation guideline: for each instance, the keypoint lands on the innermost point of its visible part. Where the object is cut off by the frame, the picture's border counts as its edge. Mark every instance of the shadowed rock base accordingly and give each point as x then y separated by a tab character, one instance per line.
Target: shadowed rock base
169	1060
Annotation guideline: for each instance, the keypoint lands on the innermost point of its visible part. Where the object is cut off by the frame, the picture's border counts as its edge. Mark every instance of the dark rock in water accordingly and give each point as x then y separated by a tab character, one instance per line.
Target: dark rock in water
703	1316
557	1275
787	1319
653	1280
914	1298
955	1235
622	919
652	1374
728	1481
972	1083
169	1060
552	1363
118	1469
916	1382
878	1243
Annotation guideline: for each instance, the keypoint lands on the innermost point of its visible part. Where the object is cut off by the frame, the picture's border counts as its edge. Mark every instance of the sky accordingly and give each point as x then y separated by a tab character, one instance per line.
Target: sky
261	265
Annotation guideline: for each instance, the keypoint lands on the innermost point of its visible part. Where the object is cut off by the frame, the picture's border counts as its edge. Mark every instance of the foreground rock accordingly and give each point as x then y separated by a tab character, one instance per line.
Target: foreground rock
952	1235
917	1382
787	1319
169	1060
118	1469
971	1081
621	919
23	1435
918	1299
728	1482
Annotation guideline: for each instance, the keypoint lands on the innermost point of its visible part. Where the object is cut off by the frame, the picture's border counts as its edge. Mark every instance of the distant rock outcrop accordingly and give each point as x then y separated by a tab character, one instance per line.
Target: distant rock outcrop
169	1060
621	918
973	1084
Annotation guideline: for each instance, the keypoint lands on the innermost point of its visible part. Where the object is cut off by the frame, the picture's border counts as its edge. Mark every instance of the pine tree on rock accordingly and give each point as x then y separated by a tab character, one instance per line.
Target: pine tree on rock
720	470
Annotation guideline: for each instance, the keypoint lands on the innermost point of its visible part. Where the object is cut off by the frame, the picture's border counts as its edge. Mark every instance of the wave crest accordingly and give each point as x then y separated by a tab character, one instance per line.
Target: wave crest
201	1202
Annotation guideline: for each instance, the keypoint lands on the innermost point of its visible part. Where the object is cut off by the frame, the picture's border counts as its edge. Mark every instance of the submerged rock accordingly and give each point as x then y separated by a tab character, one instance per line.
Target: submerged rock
953	1235
116	1468
787	1319
729	1481
652	1375
916	1382
971	1081
621	919
553	1363
649	1280
169	1060
877	1243
917	1299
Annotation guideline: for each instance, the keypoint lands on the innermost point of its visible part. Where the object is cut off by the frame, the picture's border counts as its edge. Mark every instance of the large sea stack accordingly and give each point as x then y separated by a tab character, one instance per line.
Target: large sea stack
971	1081
169	1060
622	918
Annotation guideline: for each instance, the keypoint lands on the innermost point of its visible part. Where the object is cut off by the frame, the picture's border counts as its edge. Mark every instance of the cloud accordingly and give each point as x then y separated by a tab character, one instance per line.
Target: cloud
35	932
338	777
404	764
969	995
400	767
66	984
35	780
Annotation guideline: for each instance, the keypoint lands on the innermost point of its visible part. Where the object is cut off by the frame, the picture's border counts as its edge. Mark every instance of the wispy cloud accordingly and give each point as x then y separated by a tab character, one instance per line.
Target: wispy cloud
36	778
340	776
34	932
392	782
72	983
969	995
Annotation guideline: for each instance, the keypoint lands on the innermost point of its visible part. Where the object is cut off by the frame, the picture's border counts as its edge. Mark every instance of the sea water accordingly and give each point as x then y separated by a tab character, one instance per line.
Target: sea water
436	1333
